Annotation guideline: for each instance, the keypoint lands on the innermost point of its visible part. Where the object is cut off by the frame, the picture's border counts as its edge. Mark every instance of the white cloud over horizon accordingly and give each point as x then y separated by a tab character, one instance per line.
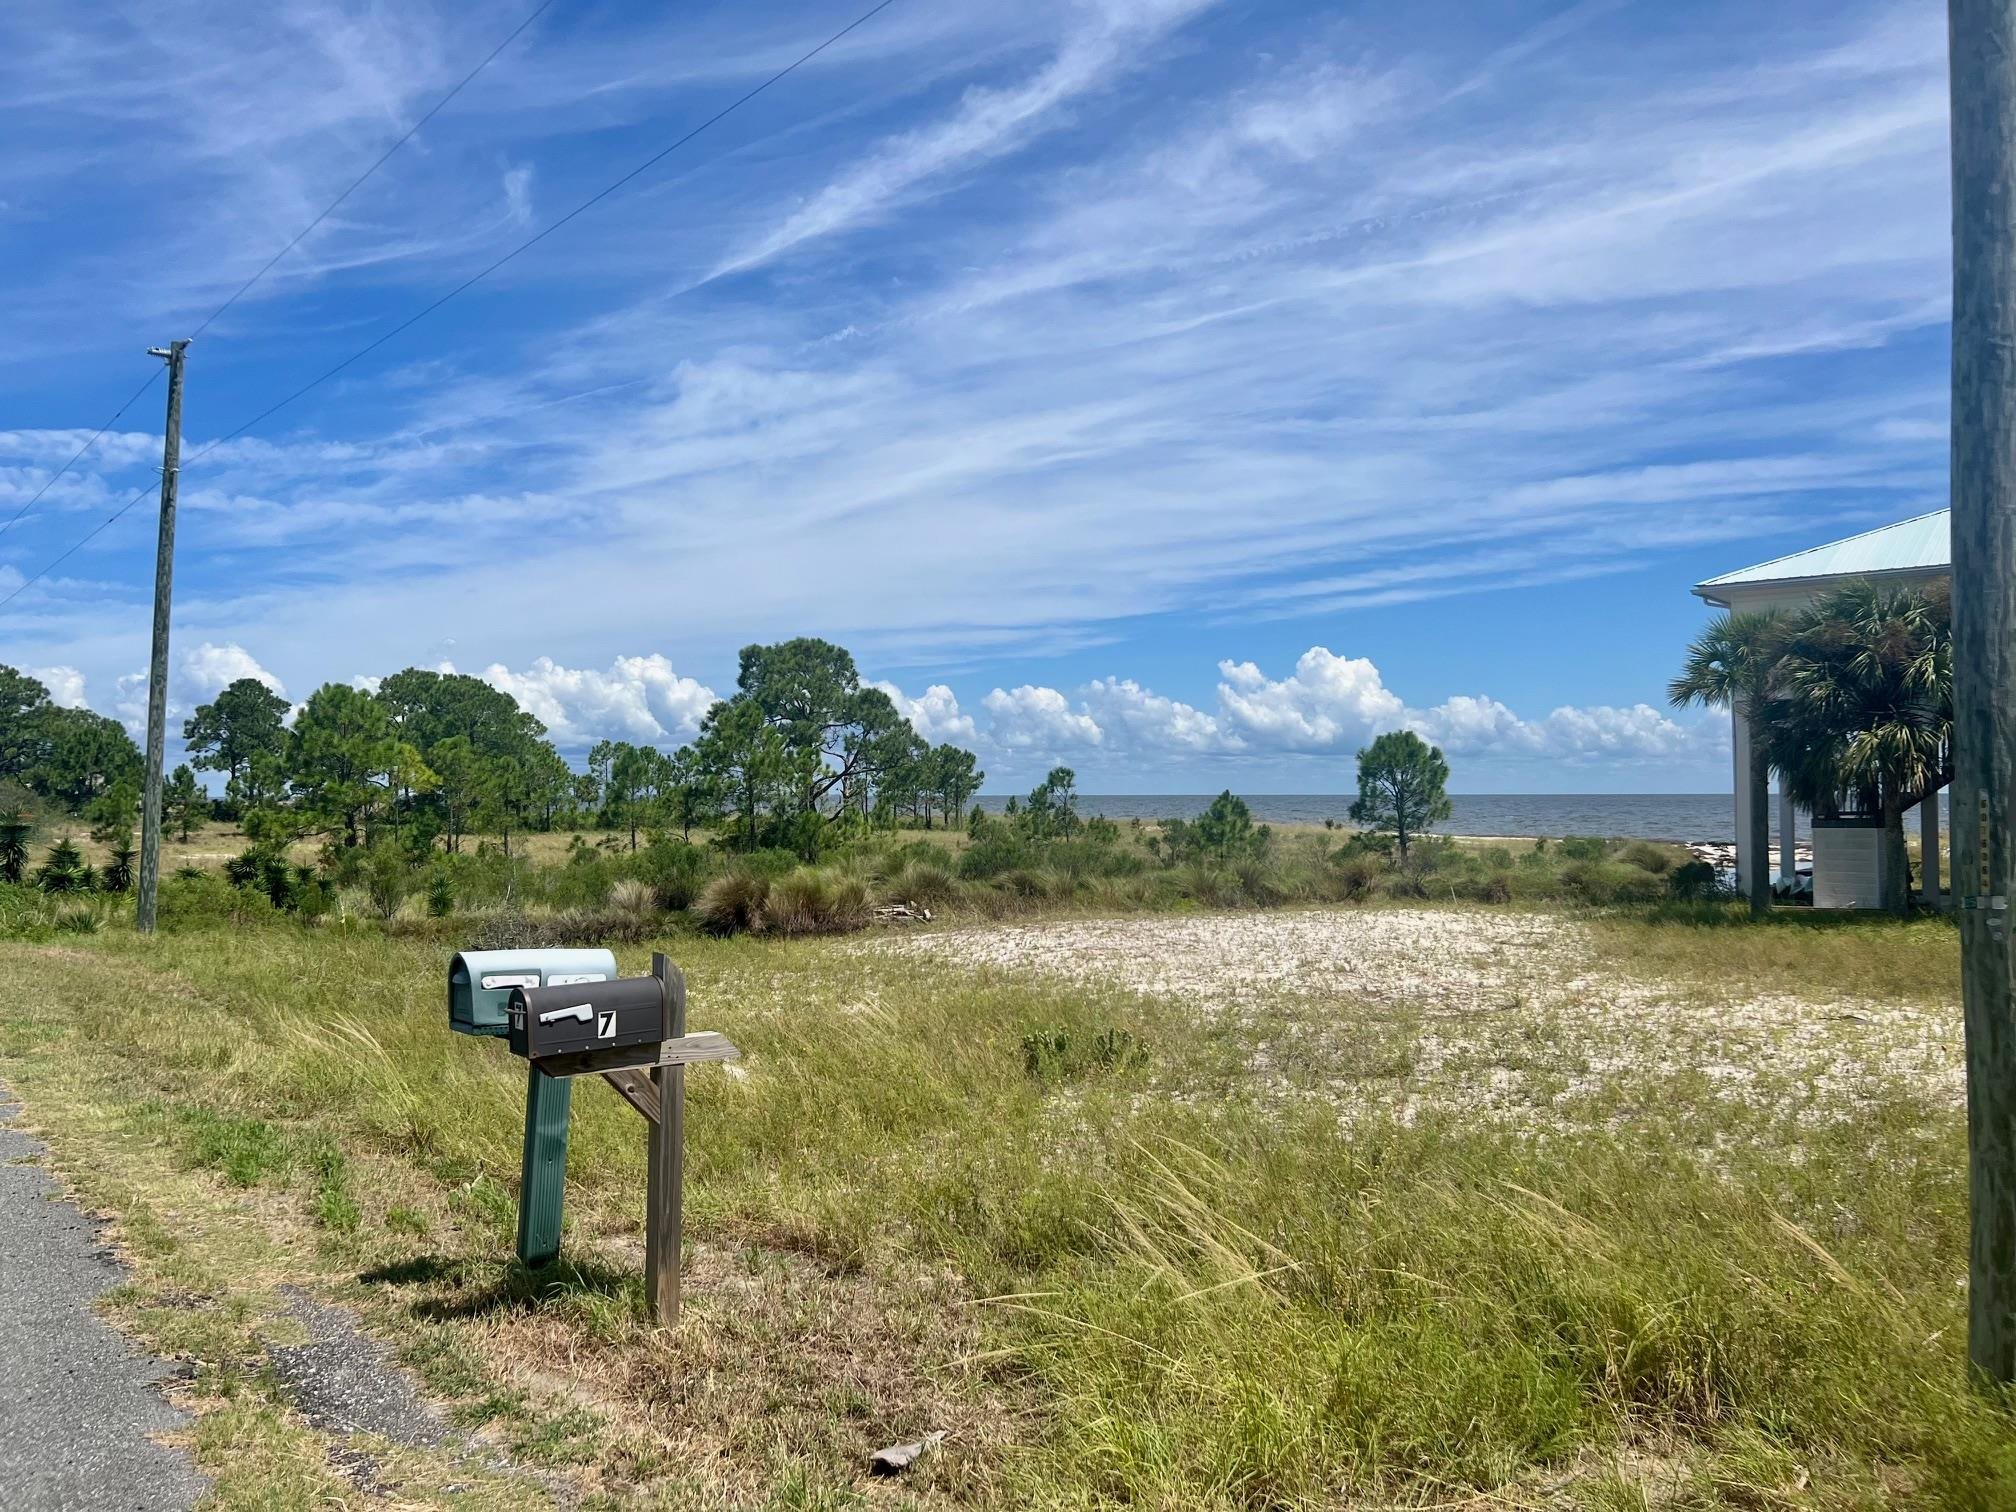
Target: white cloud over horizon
638	699
1326	706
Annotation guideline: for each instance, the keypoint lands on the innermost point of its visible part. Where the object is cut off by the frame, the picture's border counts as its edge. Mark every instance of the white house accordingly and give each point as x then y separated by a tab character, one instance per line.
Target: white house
1845	857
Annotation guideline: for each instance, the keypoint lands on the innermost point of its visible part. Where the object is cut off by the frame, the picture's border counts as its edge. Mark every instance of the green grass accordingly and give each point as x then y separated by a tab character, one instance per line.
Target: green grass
1068	1223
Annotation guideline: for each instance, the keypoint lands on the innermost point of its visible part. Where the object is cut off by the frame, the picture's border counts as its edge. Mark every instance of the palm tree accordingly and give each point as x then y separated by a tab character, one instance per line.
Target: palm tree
1861	713
1729	666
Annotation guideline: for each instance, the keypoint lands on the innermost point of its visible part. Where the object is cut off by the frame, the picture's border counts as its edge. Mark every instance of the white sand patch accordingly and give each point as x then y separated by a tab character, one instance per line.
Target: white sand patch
1499	1015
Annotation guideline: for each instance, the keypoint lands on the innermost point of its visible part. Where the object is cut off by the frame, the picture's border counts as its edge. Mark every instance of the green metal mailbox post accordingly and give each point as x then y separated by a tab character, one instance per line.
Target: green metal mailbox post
480	984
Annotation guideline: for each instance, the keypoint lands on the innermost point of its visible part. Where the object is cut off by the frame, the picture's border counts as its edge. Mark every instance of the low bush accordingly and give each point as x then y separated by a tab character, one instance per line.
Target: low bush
733	902
813	900
513	929
993	856
926	883
1582	848
1646	856
1056	1055
1695	882
1353	878
674	870
632	899
1605	882
211	902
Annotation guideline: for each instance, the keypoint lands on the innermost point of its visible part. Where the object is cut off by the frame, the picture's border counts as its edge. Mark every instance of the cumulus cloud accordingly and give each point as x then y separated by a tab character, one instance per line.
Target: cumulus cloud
934	714
1328	704
65	685
1146	719
207	669
200	673
639	698
1039	719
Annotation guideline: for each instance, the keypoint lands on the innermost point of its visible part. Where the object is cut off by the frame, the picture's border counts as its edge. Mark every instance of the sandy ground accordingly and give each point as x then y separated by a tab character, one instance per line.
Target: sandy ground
1501	1016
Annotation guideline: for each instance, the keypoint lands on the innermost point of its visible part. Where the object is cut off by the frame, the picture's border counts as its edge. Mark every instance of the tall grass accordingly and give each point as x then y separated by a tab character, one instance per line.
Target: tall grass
1206	1299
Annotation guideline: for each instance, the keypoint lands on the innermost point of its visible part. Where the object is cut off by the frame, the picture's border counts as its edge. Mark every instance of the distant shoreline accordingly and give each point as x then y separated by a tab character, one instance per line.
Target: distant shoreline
1669	818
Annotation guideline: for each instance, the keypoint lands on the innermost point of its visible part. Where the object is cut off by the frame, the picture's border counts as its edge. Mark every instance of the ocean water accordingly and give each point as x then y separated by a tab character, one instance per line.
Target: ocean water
1636	816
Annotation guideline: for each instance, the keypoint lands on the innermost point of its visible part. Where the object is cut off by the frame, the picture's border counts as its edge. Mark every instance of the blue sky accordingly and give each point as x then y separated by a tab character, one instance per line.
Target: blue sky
1181	390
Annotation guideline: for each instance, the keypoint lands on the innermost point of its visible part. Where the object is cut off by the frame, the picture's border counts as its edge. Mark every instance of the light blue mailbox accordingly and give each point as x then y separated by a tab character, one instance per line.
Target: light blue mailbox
480	982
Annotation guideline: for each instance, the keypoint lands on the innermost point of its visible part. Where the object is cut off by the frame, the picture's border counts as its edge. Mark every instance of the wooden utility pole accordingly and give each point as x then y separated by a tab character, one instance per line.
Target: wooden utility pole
666	1171
157	671
1982	41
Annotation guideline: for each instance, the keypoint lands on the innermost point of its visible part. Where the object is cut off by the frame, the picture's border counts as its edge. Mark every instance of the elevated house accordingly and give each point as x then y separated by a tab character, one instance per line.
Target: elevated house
1846	852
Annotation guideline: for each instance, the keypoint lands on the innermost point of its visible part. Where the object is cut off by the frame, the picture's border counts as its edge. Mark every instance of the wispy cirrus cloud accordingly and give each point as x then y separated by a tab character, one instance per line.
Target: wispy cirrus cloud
1101	39
1100	325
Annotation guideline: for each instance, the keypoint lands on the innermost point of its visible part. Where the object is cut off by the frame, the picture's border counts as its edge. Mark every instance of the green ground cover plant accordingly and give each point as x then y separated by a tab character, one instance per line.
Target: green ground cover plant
1173	1240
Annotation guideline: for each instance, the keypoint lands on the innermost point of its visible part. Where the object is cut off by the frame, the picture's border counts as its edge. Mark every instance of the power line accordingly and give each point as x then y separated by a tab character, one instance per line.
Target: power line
467	283
299	236
131	400
539	236
79	544
383	158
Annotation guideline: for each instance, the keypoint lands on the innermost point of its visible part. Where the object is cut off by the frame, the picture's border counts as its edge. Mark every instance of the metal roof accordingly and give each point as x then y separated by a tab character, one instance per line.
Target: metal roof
1921	545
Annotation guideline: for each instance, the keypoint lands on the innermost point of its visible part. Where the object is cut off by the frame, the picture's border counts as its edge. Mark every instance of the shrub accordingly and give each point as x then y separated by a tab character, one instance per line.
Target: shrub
1433	853
440	894
1497	857
632	899
388	877
1024	882
1582	848
1352	877
514	930
1647	857
119	867
922	882
15	828
1213	886
1695	882
1262	884
993	856
812	900
207	901
75	916
1373	843
1224	832
733	902
1053	1055
675	870
62	870
1611	882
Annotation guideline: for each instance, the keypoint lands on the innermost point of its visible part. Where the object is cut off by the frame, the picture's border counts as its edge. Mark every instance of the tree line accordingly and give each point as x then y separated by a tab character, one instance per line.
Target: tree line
802	748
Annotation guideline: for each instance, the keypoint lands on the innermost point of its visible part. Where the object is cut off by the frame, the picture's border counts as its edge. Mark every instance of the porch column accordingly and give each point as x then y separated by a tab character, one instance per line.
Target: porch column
1788	864
1928	842
1740	744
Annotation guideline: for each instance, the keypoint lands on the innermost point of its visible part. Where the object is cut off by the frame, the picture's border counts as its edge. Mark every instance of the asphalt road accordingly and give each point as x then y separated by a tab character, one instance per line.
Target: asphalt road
76	1401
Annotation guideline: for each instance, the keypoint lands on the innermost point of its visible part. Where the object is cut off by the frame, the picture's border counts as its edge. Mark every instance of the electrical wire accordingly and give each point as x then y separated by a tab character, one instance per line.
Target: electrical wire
50	483
538	236
336	203
475	278
299	237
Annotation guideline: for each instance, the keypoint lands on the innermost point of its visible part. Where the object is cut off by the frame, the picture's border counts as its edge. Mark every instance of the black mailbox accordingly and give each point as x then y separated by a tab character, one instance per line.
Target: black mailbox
548	1023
